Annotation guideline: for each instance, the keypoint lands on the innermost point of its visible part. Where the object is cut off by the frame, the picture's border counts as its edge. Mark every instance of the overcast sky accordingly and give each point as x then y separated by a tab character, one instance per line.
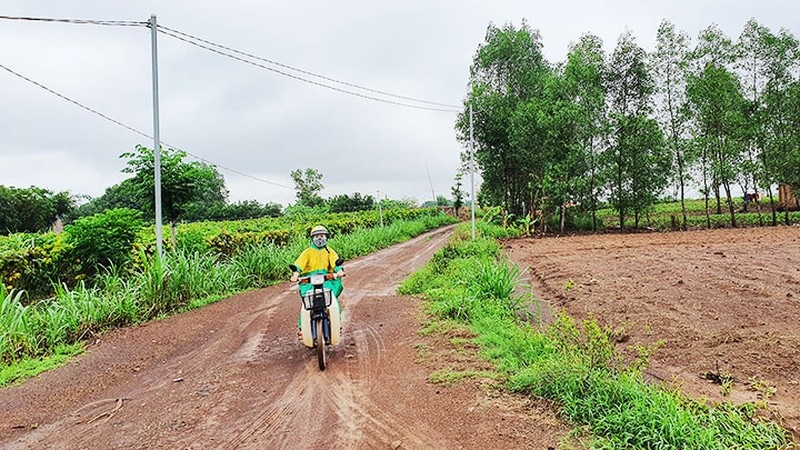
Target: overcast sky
251	121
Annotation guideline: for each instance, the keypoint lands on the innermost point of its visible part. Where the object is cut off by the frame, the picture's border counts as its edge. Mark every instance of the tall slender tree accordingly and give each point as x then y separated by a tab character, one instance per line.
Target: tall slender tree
508	71
584	81
720	110
635	156
782	51
670	71
751	64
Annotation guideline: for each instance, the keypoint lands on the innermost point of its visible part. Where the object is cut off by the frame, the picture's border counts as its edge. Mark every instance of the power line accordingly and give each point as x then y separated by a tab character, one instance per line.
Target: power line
110	23
208	45
231	53
140	133
286	74
17	74
250	55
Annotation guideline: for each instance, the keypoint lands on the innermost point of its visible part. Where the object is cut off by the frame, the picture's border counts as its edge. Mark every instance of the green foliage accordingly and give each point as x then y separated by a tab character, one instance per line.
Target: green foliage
182	183
218	211
457	190
308	185
126	194
355	202
508	75
103	240
31	262
31	210
17	331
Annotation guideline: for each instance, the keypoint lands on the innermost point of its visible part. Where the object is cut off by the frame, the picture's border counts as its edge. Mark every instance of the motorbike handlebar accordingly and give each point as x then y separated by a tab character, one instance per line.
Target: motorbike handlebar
328	276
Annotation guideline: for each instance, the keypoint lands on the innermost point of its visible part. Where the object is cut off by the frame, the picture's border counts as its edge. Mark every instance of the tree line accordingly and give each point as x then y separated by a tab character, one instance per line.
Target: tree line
190	191
562	140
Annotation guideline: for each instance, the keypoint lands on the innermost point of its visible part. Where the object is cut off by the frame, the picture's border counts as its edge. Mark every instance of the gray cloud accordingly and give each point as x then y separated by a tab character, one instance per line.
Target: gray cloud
263	124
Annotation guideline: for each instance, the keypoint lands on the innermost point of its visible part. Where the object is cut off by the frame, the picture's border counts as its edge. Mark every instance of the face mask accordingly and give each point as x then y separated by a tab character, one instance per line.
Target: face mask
320	240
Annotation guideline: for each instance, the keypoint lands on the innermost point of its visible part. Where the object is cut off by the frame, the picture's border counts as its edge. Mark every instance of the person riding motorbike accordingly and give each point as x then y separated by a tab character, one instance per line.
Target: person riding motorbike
318	258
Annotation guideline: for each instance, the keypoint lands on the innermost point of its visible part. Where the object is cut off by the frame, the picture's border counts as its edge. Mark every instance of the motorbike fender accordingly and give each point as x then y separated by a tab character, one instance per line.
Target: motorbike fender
334	313
305	327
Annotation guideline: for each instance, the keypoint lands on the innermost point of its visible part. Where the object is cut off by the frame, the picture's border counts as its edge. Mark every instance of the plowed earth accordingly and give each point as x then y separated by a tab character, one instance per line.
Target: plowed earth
234	375
726	303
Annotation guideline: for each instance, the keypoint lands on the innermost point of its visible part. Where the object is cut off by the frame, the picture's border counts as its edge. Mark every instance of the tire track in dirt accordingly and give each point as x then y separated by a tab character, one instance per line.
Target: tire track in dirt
342	391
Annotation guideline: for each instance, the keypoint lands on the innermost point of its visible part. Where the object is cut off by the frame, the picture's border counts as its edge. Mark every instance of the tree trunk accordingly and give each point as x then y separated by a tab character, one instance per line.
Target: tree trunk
772	206
727	186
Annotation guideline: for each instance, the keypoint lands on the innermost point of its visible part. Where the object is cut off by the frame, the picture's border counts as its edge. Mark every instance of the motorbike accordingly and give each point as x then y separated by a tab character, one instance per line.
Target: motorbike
320	314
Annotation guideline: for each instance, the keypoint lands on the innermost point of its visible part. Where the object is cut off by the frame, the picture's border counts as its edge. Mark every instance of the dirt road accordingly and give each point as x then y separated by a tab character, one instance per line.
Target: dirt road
233	375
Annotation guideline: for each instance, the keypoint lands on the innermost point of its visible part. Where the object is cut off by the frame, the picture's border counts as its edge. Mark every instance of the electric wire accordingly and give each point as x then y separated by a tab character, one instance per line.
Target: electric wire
286	74
305	72
208	45
215	47
140	133
110	23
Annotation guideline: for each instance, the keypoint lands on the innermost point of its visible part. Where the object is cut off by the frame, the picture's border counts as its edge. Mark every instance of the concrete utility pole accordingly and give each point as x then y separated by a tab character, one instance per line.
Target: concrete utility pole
431	182
380	210
472	172
156	132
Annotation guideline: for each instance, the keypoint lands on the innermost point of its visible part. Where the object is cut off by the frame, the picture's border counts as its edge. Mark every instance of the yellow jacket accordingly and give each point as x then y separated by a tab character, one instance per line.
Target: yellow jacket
314	259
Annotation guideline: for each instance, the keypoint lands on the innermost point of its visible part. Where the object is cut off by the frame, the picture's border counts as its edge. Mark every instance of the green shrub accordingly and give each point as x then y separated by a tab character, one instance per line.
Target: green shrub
104	239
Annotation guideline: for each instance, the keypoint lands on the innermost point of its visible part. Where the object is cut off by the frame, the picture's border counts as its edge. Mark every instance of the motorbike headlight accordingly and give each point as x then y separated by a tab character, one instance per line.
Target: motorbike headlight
317	279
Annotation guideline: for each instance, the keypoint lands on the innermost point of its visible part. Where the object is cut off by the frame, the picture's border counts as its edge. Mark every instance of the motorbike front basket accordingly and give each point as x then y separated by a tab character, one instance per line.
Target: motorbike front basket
316	299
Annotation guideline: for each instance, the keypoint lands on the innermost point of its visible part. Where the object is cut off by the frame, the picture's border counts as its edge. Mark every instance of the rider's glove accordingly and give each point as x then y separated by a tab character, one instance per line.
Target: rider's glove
295	276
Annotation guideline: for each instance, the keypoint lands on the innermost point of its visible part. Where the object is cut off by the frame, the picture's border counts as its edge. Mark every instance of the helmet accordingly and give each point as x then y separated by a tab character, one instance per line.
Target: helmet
319	229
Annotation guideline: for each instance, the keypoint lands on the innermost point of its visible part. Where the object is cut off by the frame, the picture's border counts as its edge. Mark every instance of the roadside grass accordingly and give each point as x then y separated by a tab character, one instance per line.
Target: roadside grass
450	376
575	365
25	368
34	337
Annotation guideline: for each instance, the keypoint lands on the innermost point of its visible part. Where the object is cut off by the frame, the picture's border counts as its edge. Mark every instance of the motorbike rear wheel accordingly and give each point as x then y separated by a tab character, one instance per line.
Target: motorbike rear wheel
321	357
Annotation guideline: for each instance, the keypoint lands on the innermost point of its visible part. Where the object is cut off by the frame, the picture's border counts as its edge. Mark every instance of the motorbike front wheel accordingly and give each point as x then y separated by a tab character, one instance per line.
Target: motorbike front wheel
321	357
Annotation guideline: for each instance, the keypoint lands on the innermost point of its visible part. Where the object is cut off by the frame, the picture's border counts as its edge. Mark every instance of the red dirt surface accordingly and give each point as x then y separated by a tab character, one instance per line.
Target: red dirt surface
726	302
233	375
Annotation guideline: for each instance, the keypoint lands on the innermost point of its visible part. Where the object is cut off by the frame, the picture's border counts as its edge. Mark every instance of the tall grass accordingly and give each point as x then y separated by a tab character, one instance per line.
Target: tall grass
181	279
18	335
576	366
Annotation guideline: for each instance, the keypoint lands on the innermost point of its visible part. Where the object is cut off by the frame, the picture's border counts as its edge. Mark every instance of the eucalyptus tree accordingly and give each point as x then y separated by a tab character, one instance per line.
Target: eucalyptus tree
719	111
789	169
549	125
713	48
635	158
670	61
584	81
751	61
508	72
719	107
781	64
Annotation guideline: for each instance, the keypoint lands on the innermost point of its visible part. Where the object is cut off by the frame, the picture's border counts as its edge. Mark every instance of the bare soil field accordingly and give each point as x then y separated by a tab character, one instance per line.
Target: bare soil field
726	303
234	375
